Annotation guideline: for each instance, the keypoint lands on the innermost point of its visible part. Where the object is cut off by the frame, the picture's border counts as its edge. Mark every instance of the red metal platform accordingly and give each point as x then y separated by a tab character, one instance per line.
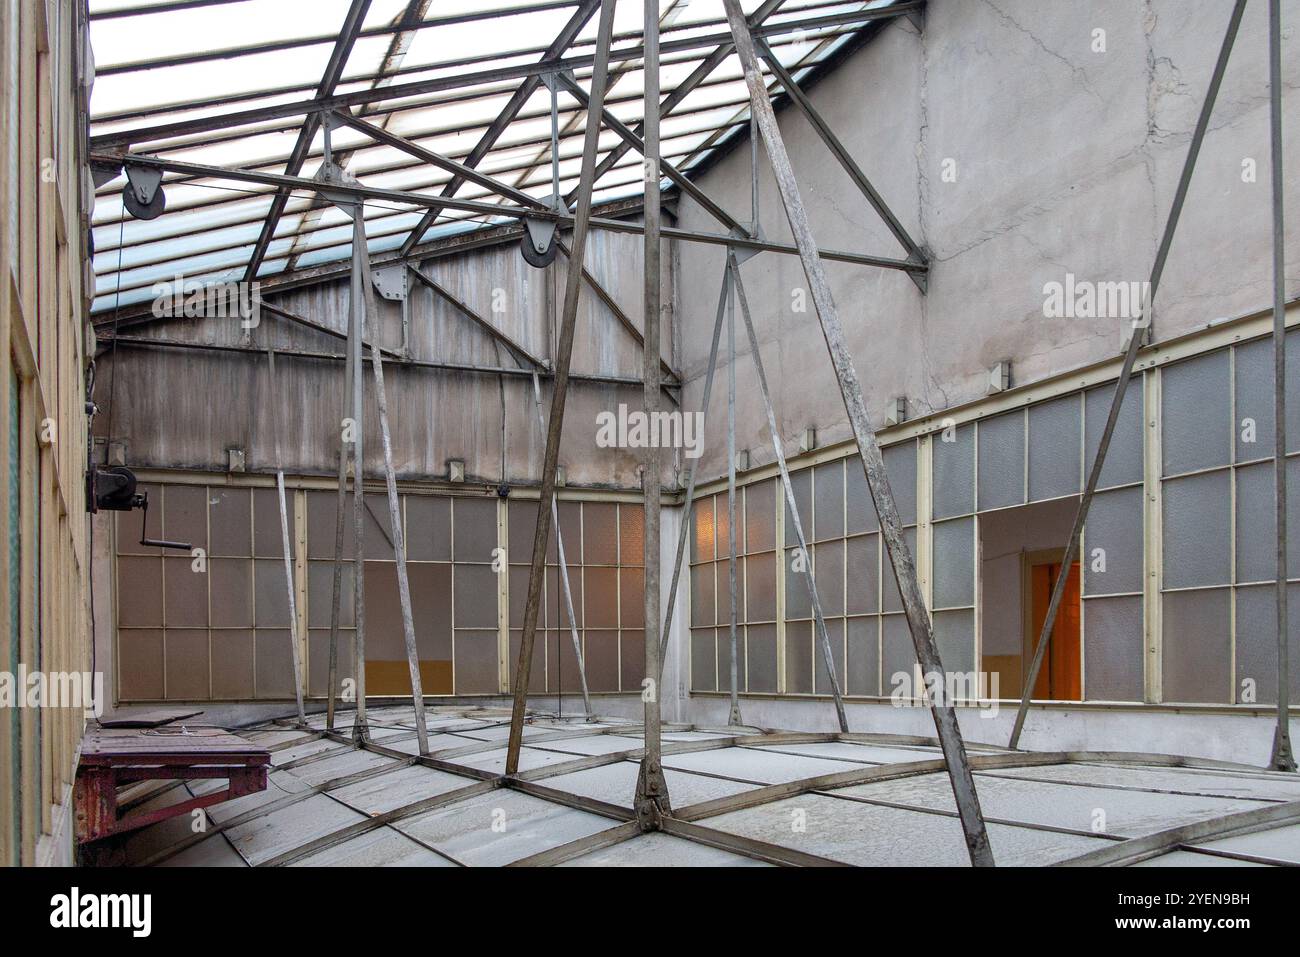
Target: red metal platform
112	757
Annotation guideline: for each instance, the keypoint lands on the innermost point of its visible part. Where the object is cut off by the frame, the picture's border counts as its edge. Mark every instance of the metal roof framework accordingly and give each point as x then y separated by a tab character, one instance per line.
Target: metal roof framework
444	103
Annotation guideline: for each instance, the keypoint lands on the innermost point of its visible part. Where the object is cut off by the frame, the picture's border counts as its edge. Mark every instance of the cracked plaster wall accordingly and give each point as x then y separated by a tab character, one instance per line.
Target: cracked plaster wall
1067	161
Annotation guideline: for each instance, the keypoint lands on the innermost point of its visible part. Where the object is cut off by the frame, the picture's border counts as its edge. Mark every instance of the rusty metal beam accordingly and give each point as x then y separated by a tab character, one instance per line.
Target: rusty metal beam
918	618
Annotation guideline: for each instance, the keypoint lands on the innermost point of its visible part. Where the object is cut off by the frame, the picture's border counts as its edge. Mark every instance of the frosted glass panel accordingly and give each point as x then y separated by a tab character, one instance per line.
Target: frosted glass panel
1196	655
954	471
889	594
954	633
1256	524
1112	649
899	654
1257	643
1253	428
1054	436
900	464
830	577
1002	461
760	516
1115	527
760	653
703	662
1197	516
862	575
860	510
828	489
835	633
1123	463
798	658
760	579
954	563
863	675
801	484
1196	430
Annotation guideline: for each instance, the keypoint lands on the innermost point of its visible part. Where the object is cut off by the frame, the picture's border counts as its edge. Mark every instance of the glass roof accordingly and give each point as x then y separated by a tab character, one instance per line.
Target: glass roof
168	81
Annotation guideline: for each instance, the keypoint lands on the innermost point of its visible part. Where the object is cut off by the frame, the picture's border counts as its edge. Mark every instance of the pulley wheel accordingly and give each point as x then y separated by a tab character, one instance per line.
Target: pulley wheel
534	258
151	210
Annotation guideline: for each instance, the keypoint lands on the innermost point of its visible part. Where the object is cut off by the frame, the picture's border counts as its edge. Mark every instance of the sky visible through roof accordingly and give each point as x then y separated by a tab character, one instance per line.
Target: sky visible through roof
214	57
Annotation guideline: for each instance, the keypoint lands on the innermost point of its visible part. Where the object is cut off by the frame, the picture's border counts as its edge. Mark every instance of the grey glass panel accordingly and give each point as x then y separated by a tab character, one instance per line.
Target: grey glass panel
1196	657
232	592
703	660
599	534
954	471
722	515
270	594
186	599
631	659
954	563
273	663
266	523
522	518
428	530
889	594
1253	381
1002	461
1257	643
724	658
322	516
377	535
476	662
829	565
1054	437
1112	649
230	523
600	658
1256	524
184	516
954	633
431	609
474	521
1196	427
801	484
1198	530
760	645
1124	455
760	582
140	664
898	654
828	493
797	602
1115	528
862	577
139	592
187	664
835	633
232	663
760	516
860	511
798	657
476	596
702	601
863	671
900	464
320	594
724	590
537	676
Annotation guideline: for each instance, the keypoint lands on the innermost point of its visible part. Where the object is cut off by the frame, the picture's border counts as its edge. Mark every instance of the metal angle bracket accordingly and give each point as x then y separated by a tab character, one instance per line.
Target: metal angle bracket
552	80
390	281
651	803
745	253
331	173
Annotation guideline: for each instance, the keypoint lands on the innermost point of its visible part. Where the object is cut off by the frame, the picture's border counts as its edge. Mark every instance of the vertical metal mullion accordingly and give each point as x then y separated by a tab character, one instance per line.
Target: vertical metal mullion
1153	533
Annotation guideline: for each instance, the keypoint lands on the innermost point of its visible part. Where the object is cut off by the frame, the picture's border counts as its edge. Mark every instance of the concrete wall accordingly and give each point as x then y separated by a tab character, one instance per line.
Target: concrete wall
1066	160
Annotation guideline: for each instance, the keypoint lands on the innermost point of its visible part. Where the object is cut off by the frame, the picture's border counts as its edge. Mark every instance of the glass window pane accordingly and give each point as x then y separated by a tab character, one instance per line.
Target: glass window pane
1054	436
1112	542
835	634
428	529
1257	643
703	660
1112	643
862	675
760	655
954	471
900	465
1196	656
863	575
798	657
760	582
860	510
631	534
1253	382
475	530
954	563
760	516
1196	431
1198	530
954	634
828	489
1123	463
1002	460
829	566
599	534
